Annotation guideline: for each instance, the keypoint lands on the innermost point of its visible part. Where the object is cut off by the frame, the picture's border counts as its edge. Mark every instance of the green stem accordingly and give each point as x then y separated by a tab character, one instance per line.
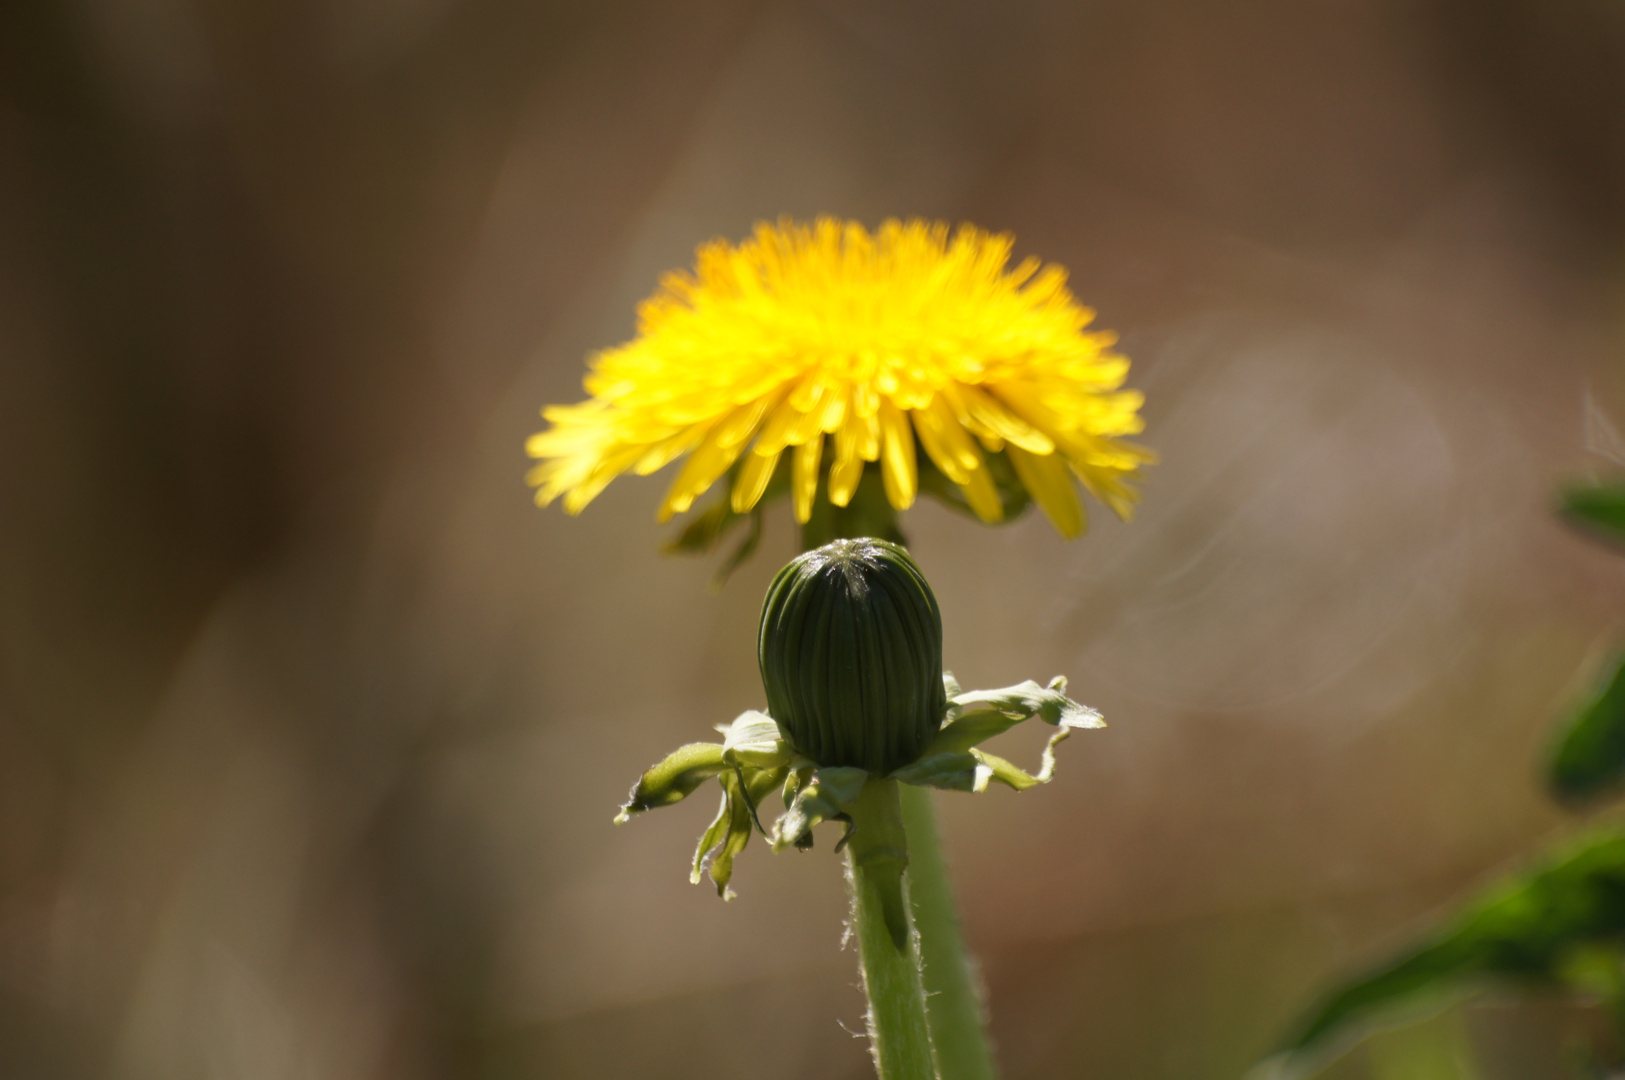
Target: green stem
898	1031
956	1015
955	1007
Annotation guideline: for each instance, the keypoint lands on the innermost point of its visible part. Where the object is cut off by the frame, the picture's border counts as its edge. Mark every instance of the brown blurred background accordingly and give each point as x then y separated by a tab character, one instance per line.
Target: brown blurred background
311	726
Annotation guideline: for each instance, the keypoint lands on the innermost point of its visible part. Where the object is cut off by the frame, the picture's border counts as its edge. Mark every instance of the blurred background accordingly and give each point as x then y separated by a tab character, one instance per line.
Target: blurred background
312	726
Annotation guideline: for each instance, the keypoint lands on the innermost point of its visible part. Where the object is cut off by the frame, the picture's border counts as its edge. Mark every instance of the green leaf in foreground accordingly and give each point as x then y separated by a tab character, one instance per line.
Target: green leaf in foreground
1588	759
1596	509
1543	927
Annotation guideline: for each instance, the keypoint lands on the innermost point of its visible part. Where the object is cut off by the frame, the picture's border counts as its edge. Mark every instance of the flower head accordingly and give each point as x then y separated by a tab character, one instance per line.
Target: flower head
822	773
844	351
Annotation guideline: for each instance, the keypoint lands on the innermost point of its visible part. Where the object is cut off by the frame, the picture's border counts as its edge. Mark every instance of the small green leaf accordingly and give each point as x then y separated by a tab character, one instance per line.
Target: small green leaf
969	729
747	547
979	715
736	836
842	785
950	772
1049	703
953	763
1596	509
754	739
759	784
828	796
711	838
674	779
1536	927
994	767
1589	758
743	789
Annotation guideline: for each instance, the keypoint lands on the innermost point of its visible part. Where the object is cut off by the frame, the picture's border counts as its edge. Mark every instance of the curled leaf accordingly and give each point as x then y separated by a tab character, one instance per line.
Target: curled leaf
674	778
754	739
828	795
953	762
742	791
952	771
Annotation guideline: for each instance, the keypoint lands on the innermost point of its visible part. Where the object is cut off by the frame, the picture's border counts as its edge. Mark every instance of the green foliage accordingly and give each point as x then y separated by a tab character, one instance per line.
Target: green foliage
1597	510
755	760
1588	760
1560	925
1557	925
675	778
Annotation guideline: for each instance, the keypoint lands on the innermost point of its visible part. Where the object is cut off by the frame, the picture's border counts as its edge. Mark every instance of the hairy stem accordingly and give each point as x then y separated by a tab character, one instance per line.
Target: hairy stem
889	952
955	1006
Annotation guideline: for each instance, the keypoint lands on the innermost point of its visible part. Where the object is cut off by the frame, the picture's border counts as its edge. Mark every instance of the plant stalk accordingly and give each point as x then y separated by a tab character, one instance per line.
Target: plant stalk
899	1034
950	989
955	1005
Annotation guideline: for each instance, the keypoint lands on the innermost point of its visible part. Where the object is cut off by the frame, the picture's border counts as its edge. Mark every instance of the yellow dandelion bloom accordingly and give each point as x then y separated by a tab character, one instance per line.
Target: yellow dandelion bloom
842	348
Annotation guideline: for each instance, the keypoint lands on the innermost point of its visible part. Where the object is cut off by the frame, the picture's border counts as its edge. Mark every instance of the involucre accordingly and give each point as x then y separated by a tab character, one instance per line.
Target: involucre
850	648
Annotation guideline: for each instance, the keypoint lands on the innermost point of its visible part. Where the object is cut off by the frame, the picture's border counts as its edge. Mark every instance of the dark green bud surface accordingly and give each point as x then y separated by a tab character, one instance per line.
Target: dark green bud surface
850	648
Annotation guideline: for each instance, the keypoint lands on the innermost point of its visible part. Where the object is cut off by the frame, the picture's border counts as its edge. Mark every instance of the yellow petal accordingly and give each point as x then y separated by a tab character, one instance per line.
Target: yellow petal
709	461
804	476
866	398
737	428
897	467
834	410
607	469
1046	478
668	450
811	422
776	432
1106	487
983	496
1002	422
945	441
847	470
753	479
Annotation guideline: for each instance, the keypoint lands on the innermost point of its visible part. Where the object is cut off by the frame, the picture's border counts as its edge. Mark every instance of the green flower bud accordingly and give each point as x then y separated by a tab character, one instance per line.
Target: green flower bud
850	648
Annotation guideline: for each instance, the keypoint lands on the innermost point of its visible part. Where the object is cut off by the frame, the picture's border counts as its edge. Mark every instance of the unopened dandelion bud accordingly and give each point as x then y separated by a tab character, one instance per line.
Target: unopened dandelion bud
850	648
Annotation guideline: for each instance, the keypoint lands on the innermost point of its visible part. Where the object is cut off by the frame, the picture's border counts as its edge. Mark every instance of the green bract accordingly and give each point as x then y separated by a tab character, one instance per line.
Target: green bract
830	765
850	648
755	759
852	663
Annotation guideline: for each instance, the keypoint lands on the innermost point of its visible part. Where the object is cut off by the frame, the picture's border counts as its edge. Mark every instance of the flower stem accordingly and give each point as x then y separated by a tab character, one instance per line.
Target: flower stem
889	952
956	1013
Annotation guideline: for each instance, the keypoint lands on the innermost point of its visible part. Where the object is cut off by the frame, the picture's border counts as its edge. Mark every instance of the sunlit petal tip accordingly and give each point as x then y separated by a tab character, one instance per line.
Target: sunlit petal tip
983	496
804	477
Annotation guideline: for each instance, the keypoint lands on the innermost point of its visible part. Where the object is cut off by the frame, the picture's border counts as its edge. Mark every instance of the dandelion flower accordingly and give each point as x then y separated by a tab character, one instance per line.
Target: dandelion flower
844	351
